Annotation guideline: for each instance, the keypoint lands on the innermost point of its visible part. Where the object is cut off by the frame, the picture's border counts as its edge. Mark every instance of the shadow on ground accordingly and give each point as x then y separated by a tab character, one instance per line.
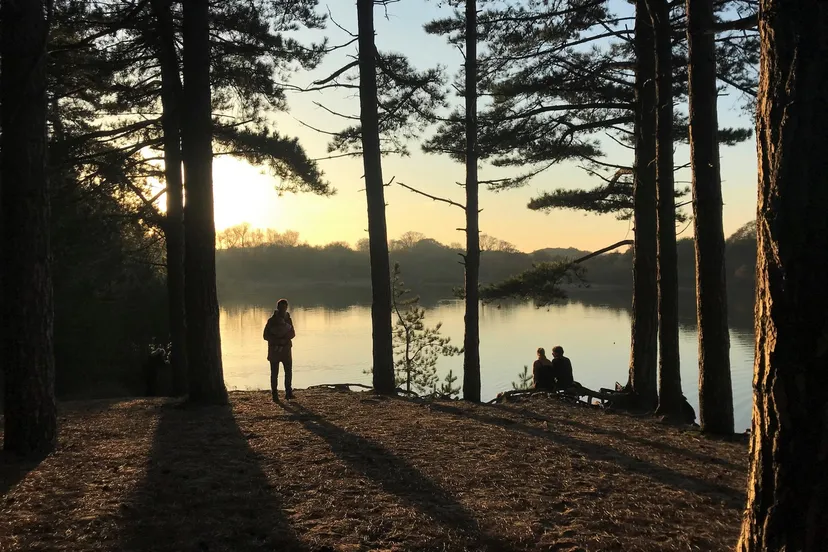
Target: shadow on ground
204	490
606	453
398	477
666	447
14	468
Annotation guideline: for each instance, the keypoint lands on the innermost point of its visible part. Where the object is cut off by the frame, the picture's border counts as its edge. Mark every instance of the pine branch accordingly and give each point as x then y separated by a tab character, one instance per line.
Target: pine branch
569	107
542	16
332	112
743	24
340	27
110	29
336	74
603	250
113	133
435	198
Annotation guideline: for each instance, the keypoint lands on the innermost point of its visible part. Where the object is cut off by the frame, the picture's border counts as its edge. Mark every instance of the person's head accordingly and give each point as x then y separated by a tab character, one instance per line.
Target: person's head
557	351
282	306
541	352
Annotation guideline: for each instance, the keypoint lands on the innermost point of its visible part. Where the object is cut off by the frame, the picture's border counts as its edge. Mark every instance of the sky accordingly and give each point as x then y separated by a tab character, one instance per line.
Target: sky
244	193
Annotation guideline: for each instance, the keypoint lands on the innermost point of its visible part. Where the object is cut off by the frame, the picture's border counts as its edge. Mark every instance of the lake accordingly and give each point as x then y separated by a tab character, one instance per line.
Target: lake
333	343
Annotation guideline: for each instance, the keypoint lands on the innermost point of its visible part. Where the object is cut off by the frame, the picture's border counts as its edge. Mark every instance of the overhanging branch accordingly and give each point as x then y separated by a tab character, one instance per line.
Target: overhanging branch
432	197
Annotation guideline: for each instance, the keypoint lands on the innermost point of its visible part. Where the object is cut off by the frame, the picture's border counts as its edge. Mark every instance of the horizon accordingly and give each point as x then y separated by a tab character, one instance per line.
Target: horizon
355	245
245	193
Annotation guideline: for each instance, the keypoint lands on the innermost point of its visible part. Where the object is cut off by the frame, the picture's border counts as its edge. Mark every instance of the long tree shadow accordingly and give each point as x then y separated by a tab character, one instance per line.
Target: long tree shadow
398	477
204	490
666	447
605	453
14	468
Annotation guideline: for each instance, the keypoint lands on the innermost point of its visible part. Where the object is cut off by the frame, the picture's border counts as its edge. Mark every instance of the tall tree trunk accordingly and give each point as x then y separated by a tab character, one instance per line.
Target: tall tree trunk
787	506
715	391
670	397
383	372
27	299
471	339
171	96
205	377
644	342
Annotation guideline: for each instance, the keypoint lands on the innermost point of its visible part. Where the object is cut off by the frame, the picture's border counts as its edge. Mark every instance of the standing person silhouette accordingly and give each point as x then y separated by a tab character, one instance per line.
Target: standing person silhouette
279	333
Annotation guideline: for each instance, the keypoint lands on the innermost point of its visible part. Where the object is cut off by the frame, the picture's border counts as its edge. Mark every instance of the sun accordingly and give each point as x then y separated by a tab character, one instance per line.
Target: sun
241	193
244	193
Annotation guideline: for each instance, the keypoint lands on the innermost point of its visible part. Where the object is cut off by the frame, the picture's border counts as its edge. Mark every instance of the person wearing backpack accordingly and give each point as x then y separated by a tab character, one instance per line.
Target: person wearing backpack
279	333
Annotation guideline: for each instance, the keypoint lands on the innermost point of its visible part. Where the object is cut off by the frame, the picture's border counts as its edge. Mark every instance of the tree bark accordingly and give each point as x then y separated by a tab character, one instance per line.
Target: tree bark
383	351
715	390
644	340
171	96
27	298
670	397
471	338
787	507
205	377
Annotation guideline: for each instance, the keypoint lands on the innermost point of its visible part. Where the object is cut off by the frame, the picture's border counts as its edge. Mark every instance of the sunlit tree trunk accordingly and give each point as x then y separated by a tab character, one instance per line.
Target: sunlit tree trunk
644	343
787	508
26	303
205	375
715	390
670	399
383	351
471	339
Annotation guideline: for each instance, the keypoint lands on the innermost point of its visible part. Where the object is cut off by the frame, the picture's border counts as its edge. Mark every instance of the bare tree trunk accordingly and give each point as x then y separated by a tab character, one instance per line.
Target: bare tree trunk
644	342
27	299
206	379
383	372
787	507
171	96
715	390
670	397
471	339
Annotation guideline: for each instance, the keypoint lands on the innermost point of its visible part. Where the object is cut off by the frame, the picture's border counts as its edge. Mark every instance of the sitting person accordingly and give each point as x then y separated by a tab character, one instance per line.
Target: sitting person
542	378
561	369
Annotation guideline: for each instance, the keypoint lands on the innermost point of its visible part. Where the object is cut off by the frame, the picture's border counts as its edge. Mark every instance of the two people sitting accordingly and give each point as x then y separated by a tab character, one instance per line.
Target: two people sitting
554	374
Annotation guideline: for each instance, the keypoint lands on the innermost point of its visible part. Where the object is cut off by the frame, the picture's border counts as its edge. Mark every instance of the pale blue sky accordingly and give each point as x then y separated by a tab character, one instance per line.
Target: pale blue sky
244	194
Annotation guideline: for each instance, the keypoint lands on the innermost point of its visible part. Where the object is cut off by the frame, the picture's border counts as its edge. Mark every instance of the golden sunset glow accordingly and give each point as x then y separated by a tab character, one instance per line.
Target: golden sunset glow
248	194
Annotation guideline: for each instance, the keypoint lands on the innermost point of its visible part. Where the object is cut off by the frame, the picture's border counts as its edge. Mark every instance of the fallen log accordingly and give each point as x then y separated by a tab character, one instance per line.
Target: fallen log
577	391
339	386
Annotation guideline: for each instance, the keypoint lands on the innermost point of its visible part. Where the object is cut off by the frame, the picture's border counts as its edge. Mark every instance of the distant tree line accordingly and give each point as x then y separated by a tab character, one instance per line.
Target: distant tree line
253	256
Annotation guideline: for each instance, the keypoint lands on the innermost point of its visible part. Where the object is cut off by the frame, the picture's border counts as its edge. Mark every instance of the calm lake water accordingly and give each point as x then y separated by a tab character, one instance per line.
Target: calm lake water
333	343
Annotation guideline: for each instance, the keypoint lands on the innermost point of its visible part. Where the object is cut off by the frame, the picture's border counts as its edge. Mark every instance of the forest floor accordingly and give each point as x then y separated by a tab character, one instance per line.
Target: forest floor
347	471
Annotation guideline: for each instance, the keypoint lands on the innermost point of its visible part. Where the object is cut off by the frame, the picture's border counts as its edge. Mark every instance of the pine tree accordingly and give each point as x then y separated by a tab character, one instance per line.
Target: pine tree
669	374
447	387
205	374
171	100
715	391
27	299
643	370
417	346
383	365
471	260
140	71
395	104
787	506
525	379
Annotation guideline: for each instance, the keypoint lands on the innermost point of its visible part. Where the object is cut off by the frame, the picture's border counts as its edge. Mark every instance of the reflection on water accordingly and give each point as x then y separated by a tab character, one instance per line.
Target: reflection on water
333	343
